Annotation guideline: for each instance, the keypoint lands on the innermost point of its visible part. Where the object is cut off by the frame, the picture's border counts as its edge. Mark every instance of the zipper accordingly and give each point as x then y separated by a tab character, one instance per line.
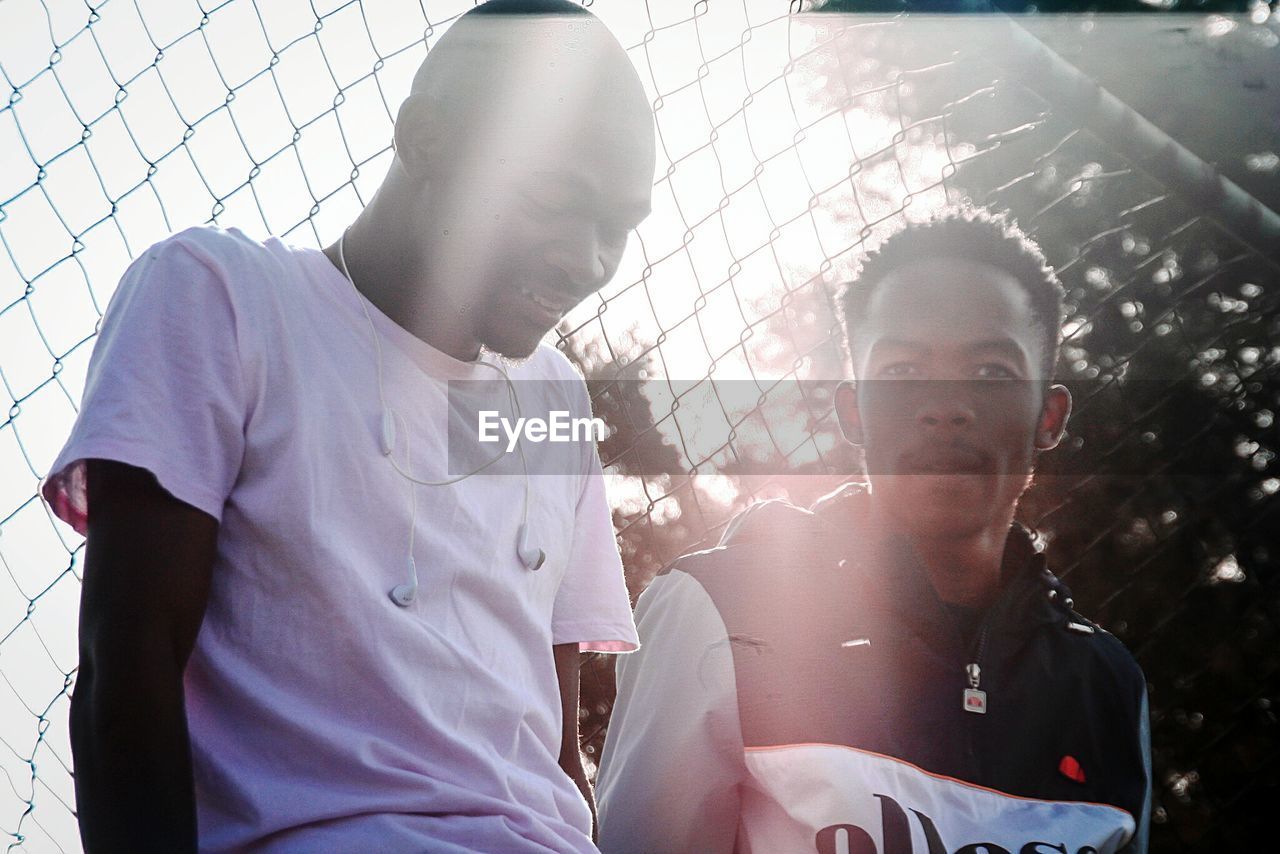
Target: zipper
973	670
975	699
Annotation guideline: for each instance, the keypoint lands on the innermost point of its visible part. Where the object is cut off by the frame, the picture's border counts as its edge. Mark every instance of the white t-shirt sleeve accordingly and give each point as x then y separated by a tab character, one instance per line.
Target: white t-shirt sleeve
592	606
673	757
164	389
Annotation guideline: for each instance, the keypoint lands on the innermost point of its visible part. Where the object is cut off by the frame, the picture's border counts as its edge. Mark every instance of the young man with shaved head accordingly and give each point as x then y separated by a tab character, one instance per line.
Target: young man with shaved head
300	630
895	670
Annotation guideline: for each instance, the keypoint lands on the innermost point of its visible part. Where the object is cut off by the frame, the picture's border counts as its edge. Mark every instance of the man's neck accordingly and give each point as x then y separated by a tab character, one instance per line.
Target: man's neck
963	570
387	275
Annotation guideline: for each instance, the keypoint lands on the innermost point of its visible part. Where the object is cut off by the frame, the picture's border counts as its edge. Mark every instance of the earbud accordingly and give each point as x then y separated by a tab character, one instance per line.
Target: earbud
532	557
388	432
404	594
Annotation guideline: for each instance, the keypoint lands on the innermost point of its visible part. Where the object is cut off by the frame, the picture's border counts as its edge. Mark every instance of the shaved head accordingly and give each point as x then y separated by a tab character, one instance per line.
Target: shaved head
531	68
474	45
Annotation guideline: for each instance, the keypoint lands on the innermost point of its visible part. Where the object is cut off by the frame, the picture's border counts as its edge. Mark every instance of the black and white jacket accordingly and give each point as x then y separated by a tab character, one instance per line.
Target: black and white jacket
789	696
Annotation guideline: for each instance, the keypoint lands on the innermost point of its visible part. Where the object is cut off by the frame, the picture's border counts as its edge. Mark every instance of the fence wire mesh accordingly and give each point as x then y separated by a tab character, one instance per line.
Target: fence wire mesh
788	143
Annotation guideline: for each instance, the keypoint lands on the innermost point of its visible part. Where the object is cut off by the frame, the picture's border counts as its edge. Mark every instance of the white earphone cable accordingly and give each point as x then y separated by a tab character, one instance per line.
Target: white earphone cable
413	517
512	397
403	595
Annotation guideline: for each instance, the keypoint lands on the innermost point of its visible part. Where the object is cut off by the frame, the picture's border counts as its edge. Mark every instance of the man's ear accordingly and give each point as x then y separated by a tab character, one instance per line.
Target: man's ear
1053	417
418	135
846	403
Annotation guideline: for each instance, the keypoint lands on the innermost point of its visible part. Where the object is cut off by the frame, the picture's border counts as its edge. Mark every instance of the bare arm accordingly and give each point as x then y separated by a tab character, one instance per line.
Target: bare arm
146	583
568	664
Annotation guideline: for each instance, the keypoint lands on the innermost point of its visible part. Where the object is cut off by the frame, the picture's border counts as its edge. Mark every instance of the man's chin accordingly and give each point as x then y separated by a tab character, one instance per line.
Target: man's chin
938	505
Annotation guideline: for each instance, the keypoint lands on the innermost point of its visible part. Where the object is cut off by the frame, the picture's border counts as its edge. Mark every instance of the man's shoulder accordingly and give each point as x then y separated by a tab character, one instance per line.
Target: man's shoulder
765	521
240	264
1114	656
1086	648
772	526
770	551
213	246
194	275
829	529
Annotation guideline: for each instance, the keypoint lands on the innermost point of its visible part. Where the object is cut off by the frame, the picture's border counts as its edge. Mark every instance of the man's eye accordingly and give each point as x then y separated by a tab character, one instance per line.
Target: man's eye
900	369
993	371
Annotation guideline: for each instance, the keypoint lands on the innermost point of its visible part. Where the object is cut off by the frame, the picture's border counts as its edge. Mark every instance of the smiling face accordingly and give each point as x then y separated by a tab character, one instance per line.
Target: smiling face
541	165
560	225
951	402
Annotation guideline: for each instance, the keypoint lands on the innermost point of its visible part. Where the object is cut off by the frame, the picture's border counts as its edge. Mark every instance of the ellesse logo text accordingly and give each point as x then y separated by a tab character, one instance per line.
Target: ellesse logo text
896	834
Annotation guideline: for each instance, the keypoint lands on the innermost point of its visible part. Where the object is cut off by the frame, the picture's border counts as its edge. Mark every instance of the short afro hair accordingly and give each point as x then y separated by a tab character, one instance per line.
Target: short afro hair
972	234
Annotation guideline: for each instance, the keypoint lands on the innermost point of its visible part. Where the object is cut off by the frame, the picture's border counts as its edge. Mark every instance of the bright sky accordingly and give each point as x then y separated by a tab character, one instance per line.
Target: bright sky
64	246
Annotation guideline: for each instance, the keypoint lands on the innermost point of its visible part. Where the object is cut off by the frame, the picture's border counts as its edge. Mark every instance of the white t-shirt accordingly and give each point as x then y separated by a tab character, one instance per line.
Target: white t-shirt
322	715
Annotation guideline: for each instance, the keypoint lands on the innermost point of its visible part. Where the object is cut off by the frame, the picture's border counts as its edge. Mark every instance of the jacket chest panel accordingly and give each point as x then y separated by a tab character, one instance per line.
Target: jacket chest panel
873	684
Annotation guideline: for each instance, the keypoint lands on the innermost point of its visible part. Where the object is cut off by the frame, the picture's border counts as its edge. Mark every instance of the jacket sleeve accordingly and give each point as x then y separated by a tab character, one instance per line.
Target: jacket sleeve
673	759
1138	844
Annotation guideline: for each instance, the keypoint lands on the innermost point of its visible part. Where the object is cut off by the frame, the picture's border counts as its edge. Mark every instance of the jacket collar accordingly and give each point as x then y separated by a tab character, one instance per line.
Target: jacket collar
1030	594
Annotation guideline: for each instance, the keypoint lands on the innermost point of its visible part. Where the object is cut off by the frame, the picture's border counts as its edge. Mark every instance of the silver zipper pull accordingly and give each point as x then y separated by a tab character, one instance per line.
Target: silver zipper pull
975	700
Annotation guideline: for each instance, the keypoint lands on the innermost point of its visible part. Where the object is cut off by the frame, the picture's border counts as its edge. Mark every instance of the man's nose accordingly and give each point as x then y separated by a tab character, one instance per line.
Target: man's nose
579	257
945	410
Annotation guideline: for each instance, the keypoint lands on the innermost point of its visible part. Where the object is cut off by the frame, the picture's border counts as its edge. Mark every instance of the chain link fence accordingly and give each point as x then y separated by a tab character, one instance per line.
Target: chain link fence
788	142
